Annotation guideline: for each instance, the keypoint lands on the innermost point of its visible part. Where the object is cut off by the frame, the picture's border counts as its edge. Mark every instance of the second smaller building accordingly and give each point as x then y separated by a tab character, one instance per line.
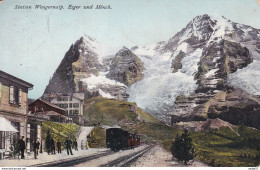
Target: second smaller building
73	104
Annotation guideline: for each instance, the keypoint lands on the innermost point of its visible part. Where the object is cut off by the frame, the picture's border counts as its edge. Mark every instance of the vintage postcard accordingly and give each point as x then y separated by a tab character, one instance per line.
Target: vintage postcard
129	83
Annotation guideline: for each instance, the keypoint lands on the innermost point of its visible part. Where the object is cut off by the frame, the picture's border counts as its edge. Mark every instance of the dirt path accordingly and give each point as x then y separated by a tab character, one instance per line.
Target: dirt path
158	157
84	132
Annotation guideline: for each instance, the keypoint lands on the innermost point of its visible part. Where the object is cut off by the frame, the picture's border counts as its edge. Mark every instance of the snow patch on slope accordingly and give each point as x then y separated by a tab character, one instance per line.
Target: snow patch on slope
211	73
105	95
247	79
183	47
95	82
95	46
190	63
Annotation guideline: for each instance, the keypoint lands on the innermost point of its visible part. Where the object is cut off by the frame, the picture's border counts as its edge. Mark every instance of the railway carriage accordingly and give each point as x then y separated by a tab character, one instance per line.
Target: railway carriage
117	138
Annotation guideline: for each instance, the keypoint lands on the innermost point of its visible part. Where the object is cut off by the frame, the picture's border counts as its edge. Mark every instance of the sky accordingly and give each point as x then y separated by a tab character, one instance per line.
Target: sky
34	41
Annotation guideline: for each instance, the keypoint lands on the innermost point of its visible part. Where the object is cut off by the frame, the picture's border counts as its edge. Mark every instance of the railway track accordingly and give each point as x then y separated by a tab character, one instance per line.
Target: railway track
73	161
126	161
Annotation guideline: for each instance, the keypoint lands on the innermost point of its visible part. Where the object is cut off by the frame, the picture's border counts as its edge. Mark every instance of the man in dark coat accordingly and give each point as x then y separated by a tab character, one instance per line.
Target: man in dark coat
52	146
21	146
75	143
59	146
36	146
68	144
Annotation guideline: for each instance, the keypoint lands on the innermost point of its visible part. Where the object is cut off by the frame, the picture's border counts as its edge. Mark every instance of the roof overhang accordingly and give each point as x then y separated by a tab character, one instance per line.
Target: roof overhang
16	80
6	126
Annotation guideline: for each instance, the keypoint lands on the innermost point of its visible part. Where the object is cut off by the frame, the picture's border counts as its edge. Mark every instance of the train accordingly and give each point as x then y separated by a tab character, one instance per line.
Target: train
119	139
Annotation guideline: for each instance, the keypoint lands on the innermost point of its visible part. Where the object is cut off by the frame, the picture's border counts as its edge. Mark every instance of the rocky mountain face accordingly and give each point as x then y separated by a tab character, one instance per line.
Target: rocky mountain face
210	69
79	62
126	67
208	59
218	60
62	80
220	57
90	67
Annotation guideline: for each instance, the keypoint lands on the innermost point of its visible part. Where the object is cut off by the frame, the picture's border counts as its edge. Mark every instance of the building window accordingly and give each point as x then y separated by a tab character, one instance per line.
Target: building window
75	105
70	112
70	98
63	98
70	105
75	112
63	105
15	95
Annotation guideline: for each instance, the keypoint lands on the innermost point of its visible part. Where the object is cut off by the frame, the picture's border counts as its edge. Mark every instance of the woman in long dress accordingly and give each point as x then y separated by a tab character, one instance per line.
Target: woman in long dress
87	146
82	145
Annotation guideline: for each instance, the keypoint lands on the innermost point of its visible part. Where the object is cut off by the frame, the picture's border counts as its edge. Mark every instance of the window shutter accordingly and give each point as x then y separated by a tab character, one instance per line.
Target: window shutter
11	94
20	96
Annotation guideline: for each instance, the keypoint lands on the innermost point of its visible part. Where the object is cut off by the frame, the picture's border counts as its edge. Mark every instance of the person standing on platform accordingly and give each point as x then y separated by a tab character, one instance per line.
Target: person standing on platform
87	146
75	143
59	146
36	146
68	144
21	146
52	146
82	145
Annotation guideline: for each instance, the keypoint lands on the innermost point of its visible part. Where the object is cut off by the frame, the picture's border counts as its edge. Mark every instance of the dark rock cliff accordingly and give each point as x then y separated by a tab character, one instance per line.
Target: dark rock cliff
79	62
126	67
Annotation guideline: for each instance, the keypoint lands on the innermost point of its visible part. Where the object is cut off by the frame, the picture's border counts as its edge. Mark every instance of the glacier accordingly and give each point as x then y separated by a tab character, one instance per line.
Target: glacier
156	93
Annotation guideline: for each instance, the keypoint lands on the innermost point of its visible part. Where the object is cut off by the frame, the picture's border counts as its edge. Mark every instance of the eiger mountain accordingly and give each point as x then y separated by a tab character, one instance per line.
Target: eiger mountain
210	69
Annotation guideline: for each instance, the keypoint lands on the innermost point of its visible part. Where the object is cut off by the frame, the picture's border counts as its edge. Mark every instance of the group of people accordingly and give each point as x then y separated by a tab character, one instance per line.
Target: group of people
82	145
21	145
51	146
68	145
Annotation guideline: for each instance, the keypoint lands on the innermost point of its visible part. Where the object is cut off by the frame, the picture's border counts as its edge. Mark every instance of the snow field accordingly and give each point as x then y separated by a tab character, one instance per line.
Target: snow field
159	88
247	79
94	81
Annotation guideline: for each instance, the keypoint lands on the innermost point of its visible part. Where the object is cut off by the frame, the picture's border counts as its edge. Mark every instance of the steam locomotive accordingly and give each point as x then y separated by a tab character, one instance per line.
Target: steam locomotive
118	139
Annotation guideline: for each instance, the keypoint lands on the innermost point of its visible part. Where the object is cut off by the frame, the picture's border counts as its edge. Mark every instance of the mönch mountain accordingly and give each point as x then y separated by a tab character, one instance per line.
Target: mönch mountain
210	69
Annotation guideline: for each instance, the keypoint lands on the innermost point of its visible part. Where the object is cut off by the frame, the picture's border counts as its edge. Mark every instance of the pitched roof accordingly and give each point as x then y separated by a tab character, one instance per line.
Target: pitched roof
79	96
50	113
15	79
52	105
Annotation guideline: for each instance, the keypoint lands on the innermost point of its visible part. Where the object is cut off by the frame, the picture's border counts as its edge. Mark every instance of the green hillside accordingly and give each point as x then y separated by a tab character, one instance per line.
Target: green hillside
111	112
223	147
125	114
60	131
220	147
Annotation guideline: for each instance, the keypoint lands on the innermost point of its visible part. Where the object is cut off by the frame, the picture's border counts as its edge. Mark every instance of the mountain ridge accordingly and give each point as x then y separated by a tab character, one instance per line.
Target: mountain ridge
203	60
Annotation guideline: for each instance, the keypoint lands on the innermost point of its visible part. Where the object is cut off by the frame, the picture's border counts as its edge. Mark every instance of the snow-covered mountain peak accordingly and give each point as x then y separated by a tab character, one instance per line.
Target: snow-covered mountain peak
88	38
123	51
89	45
208	51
